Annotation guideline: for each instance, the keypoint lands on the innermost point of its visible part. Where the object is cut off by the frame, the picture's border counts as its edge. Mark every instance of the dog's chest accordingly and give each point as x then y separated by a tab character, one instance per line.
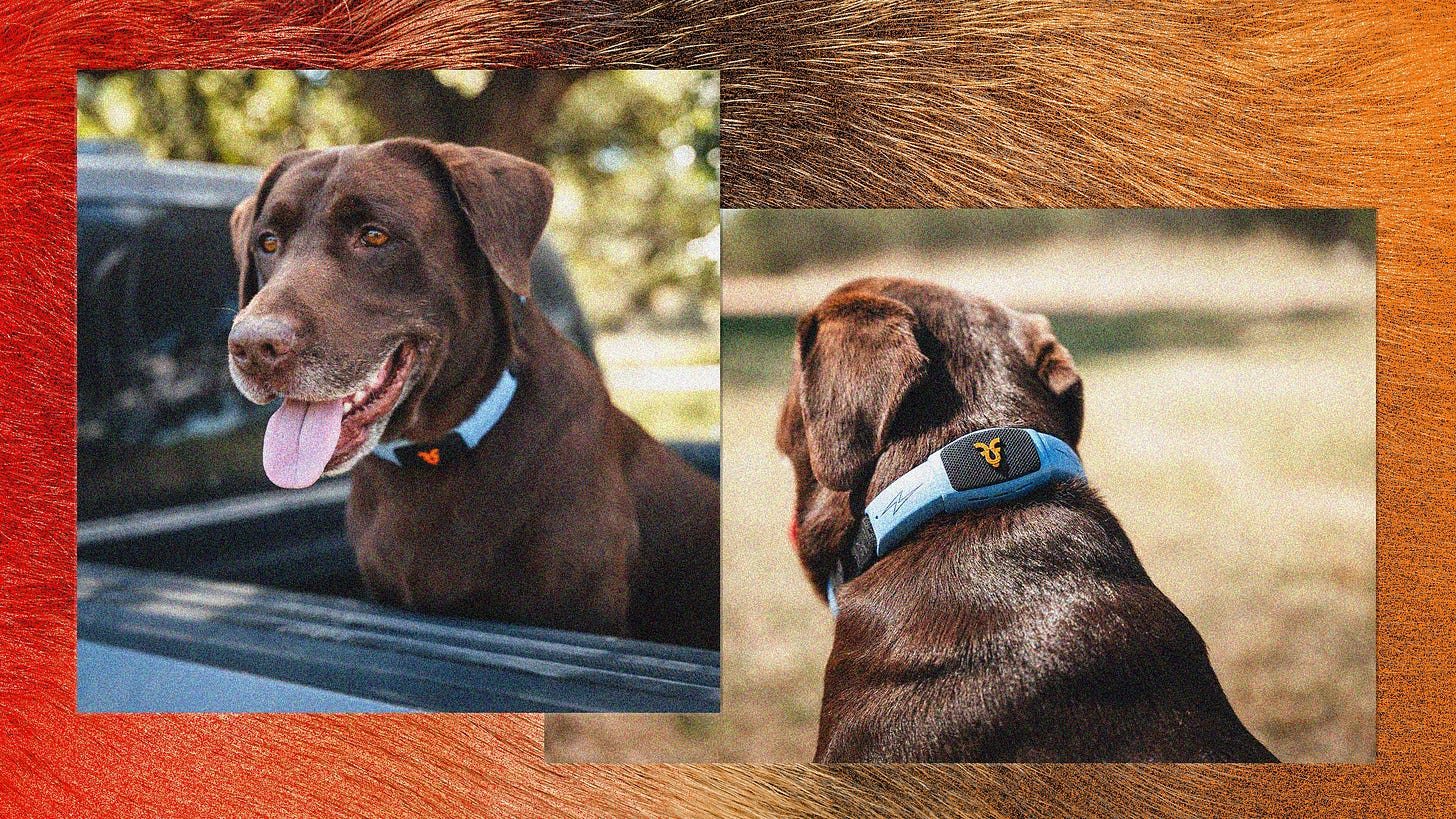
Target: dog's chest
470	546
432	533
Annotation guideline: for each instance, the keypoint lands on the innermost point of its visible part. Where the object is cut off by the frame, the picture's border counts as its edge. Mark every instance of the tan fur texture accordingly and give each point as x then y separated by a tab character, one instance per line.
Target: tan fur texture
841	103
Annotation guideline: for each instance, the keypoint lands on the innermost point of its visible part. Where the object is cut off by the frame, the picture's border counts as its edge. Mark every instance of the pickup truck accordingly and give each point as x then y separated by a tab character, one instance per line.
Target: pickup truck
202	588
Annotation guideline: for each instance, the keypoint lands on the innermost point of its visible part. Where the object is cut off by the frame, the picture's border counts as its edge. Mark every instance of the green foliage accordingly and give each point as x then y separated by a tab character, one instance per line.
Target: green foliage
634	154
235	117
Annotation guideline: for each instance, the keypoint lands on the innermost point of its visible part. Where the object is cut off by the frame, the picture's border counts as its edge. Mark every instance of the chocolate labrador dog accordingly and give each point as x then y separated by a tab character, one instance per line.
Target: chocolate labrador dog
384	296
990	607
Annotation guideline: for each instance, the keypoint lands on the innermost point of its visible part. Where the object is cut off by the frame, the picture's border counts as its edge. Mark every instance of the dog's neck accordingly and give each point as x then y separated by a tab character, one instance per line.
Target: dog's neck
984	468
459	440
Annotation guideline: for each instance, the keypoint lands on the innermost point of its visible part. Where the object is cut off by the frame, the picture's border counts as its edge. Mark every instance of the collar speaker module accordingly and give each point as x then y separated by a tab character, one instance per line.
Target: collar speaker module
459	441
979	469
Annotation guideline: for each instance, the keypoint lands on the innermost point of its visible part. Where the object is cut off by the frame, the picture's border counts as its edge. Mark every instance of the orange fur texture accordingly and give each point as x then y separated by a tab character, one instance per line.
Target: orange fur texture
839	103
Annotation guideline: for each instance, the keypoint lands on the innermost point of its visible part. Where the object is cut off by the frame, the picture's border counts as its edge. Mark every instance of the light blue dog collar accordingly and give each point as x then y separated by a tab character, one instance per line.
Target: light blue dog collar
979	469
459	440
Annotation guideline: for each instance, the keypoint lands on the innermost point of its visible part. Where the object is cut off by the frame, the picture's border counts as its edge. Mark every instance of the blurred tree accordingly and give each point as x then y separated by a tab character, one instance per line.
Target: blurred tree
508	111
253	117
634	153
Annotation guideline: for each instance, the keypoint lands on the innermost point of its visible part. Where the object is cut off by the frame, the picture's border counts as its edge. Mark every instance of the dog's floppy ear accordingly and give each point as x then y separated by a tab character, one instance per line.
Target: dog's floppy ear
858	358
1053	365
507	201
242	229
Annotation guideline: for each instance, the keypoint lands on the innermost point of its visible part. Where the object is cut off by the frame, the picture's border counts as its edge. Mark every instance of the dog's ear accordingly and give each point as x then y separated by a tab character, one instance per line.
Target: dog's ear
1053	365
507	201
857	359
242	229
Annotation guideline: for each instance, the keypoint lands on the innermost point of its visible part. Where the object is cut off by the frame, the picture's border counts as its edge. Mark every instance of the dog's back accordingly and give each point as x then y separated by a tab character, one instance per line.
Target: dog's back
1023	633
676	588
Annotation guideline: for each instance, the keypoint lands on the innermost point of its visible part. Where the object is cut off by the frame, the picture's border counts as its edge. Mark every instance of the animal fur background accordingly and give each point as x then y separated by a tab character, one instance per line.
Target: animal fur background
846	102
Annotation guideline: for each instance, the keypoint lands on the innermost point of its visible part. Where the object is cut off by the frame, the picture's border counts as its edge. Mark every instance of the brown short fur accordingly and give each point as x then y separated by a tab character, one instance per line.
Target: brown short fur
567	514
1026	631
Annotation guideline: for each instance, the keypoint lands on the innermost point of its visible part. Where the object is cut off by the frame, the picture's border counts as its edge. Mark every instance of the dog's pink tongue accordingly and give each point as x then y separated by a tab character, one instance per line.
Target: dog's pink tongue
300	440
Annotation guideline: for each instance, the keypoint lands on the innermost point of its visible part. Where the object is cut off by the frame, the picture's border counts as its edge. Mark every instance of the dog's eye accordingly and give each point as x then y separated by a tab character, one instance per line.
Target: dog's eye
374	237
268	243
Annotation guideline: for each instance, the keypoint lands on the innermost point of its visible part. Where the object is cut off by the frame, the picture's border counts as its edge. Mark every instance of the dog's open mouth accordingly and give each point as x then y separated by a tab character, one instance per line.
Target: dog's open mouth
305	439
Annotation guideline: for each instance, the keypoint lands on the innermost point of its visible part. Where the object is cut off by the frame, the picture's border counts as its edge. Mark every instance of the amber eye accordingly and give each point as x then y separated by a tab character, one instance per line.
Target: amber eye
374	237
268	243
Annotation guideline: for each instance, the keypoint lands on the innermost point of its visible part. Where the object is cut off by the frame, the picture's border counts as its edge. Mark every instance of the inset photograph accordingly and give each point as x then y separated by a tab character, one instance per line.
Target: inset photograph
398	390
1037	486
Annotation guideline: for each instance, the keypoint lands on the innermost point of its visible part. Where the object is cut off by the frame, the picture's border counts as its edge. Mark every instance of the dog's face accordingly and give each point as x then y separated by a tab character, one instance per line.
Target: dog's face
359	268
886	371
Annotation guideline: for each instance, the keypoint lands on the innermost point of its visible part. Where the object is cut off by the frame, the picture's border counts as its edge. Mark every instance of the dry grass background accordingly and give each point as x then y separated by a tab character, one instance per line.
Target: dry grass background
848	103
1237	446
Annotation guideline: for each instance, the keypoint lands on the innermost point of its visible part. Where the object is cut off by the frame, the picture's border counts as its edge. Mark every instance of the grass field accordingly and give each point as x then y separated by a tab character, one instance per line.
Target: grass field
1236	447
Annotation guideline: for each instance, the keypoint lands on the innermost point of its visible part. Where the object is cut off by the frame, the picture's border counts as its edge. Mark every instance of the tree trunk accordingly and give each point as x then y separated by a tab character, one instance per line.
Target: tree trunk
507	115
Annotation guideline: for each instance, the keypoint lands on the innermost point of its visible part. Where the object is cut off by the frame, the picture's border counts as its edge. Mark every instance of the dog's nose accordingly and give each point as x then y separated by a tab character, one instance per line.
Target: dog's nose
262	347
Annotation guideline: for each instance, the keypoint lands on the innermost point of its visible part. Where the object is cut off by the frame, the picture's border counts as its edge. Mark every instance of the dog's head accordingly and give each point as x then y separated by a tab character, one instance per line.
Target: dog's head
371	276
889	370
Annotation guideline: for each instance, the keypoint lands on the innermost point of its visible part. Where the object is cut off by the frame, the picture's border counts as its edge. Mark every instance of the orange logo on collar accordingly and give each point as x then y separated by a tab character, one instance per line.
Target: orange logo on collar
991	452
433	456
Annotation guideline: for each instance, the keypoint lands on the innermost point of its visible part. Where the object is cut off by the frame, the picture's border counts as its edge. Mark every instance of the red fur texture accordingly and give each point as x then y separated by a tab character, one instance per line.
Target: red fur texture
838	103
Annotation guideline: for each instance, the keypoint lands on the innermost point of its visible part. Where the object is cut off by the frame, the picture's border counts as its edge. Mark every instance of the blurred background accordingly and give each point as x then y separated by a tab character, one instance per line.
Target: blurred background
165	155
1235	348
